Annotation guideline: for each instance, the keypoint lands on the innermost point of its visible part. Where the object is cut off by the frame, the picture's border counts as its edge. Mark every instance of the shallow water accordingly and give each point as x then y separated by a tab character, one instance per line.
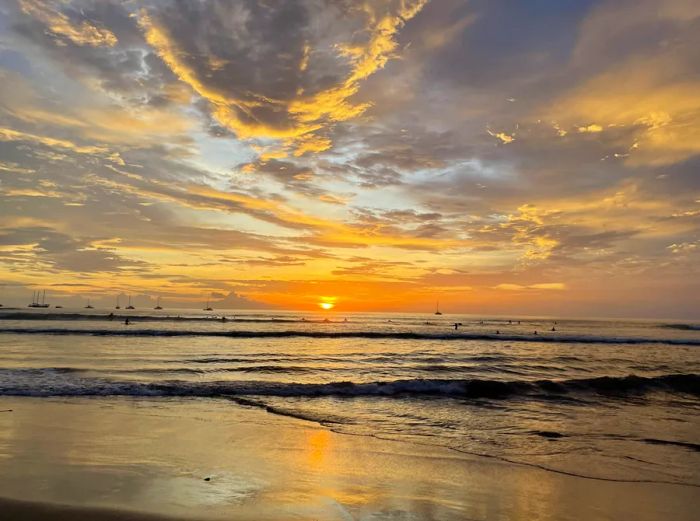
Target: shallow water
607	399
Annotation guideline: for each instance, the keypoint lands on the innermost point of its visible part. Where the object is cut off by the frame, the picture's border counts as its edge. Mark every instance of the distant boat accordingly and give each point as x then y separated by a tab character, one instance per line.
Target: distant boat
437	308
117	306
88	305
130	306
158	306
208	308
39	303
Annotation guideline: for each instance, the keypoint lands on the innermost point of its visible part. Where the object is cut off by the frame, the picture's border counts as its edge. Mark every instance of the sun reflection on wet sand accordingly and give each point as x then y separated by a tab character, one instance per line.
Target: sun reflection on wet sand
210	459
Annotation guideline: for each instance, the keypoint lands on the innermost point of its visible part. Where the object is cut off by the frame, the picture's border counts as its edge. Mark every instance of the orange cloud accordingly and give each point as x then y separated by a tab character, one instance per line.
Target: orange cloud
651	97
58	24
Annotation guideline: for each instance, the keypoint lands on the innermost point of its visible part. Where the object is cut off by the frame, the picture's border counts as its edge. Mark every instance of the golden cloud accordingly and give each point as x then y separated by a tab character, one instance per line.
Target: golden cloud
556	286
505	138
652	97
8	134
306	115
58	24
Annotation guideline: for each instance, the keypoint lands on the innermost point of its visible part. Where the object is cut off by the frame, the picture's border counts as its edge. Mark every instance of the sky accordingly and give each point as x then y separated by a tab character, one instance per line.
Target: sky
502	157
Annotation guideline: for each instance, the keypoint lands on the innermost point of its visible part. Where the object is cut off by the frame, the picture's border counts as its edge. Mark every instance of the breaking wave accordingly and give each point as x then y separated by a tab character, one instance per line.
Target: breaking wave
400	335
62	382
683	327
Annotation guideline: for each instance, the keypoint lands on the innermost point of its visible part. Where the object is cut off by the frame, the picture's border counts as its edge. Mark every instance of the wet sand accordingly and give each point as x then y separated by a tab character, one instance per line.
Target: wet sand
25	510
109	459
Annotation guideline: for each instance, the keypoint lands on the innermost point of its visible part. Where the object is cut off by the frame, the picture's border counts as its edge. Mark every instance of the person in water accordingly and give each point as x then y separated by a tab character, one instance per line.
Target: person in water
535	332
553	328
126	322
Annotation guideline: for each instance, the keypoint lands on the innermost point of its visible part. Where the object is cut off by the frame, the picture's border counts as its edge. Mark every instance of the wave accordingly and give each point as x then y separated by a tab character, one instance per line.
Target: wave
59	382
102	317
400	335
683	327
683	444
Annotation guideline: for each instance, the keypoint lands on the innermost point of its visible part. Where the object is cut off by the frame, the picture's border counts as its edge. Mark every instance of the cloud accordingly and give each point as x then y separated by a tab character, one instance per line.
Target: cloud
648	100
61	27
297	105
555	286
592	128
8	134
502	136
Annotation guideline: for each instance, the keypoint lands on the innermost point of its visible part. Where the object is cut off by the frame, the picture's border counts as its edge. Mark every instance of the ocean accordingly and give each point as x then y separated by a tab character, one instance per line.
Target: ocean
603	399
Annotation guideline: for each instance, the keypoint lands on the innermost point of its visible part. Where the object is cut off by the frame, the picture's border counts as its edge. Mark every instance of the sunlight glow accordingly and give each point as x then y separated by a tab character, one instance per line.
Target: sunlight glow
327	302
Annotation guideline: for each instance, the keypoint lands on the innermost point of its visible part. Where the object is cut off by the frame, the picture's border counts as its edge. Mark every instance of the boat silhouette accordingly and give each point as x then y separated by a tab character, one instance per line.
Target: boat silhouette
37	302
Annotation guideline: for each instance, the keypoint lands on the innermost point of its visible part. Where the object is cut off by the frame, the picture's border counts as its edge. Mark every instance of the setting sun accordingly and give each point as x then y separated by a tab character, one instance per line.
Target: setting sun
327	302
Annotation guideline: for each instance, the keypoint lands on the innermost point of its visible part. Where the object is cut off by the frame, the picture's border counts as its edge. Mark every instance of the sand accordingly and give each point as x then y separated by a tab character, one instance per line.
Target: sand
108	459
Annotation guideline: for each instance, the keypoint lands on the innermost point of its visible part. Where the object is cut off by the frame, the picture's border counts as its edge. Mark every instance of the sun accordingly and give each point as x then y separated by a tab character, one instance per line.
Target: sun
327	302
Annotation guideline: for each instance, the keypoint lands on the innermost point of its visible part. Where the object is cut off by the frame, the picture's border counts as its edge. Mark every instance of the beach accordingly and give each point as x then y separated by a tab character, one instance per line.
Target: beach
365	417
142	459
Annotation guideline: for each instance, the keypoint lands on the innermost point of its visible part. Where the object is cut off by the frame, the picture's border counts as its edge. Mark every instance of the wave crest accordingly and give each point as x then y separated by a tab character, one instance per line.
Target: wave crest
61	383
399	335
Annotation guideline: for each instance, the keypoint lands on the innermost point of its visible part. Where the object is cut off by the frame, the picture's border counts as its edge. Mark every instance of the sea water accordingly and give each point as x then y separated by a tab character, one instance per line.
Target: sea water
604	399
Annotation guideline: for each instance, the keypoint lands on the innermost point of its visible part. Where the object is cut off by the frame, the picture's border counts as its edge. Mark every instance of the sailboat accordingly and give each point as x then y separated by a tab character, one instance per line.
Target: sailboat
437	308
158	306
117	306
208	308
36	302
129	306
88	305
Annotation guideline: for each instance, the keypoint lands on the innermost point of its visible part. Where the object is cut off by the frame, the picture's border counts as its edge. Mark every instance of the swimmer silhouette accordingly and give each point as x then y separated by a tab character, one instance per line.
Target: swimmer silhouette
126	322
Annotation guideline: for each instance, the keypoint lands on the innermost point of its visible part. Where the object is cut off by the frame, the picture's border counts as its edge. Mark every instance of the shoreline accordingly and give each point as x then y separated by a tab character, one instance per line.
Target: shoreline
148	460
